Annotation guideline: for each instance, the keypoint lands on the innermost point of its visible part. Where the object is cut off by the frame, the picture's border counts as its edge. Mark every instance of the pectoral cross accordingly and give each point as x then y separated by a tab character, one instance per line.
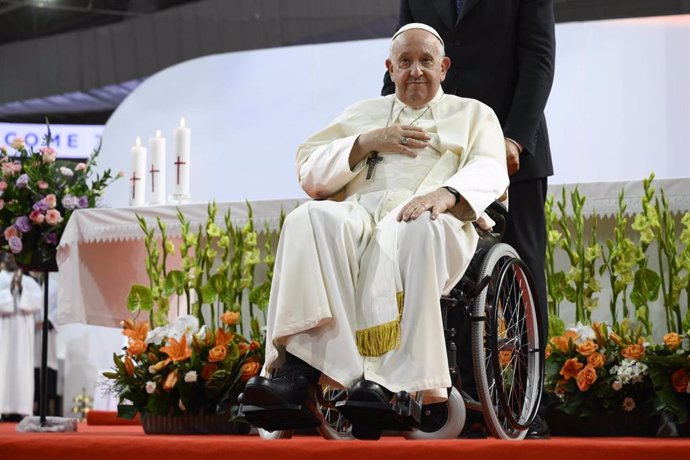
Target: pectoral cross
133	180
178	163
372	161
153	172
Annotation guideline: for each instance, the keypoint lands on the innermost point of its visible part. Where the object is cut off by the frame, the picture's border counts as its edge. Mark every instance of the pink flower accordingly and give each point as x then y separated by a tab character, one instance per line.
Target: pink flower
49	154
7	169
2	203
51	201
17	143
53	216
42	184
10	232
37	217
16	167
80	167
3	185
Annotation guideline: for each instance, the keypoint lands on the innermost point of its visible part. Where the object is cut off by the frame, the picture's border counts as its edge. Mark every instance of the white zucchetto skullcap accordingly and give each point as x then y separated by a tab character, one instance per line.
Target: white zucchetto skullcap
418	25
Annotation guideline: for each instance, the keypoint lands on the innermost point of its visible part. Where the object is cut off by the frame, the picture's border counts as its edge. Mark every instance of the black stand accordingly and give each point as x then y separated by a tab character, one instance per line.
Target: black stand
43	395
43	423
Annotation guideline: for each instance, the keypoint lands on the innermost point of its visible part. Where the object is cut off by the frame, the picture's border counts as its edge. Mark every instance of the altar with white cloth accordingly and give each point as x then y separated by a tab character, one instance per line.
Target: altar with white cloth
101	253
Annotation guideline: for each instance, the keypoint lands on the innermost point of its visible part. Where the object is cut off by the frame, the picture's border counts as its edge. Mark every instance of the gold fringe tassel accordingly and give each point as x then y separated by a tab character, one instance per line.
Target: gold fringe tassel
377	340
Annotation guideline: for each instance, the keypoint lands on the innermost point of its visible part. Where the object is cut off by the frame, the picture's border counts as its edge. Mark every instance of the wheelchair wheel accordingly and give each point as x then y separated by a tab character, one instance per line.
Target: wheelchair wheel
277	434
505	345
441	421
333	424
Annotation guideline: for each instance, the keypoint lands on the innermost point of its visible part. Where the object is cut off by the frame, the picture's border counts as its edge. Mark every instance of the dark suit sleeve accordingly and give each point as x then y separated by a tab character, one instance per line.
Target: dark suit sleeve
405	18
536	48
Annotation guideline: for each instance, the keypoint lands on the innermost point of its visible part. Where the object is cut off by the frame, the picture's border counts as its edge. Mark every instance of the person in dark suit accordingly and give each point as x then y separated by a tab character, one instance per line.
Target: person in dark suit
502	53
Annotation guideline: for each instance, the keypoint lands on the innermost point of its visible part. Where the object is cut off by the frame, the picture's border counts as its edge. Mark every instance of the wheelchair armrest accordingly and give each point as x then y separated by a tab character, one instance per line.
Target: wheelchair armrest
499	213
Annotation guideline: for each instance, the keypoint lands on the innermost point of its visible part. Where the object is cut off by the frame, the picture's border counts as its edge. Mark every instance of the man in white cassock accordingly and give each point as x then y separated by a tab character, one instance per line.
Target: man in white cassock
357	285
20	298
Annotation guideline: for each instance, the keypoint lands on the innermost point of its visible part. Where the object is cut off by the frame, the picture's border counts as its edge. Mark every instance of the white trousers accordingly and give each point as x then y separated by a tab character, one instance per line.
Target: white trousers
331	257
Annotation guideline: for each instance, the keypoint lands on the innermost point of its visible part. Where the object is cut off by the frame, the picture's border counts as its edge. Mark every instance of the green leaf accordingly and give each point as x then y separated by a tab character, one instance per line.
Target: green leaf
259	295
218	283
570	293
139	298
110	375
174	283
208	294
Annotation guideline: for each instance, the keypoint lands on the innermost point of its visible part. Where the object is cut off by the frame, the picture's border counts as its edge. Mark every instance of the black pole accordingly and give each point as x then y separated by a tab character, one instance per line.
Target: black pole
43	404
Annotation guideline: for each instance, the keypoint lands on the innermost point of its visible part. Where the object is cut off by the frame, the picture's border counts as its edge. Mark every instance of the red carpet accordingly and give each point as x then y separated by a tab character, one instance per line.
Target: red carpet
130	442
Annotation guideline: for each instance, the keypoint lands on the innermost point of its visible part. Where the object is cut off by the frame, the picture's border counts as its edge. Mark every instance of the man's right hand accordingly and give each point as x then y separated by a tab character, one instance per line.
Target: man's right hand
395	138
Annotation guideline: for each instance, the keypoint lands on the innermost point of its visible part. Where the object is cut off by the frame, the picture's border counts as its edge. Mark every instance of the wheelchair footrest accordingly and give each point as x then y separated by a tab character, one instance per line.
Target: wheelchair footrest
381	416
279	417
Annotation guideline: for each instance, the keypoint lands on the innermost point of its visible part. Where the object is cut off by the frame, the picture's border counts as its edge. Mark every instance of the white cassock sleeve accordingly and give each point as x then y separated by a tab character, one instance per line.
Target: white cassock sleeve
483	176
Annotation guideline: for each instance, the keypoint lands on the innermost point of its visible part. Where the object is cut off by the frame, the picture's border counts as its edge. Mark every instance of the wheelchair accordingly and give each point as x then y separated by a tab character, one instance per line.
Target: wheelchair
496	297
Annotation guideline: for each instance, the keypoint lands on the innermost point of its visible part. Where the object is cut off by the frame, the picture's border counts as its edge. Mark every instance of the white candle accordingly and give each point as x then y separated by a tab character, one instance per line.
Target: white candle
155	169
183	136
137	178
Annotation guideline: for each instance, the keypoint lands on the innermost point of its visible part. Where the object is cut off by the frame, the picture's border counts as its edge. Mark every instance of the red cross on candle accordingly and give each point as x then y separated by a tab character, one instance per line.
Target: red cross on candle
178	163
133	180
153	172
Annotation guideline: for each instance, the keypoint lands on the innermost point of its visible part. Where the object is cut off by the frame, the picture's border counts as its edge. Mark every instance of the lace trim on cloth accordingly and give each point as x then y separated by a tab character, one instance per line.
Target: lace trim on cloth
602	197
108	225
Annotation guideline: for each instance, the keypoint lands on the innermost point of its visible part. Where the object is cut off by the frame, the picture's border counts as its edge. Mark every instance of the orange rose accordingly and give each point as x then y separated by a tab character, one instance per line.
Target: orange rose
586	377
633	351
208	370
570	368
249	370
129	366
170	380
548	351
254	345
680	380
587	347
243	347
560	344
596	359
230	317
136	347
217	353
672	340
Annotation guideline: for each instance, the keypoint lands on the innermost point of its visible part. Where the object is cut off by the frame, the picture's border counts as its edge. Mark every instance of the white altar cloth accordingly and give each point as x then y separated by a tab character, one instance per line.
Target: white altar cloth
101	253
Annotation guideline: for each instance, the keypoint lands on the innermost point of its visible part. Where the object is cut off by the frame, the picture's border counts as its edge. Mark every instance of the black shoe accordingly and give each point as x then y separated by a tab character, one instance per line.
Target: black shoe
284	402
538	429
290	385
368	391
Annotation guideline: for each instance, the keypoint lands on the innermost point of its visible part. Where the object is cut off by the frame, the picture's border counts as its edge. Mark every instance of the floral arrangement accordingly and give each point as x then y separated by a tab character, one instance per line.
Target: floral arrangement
198	363
38	193
596	367
593	370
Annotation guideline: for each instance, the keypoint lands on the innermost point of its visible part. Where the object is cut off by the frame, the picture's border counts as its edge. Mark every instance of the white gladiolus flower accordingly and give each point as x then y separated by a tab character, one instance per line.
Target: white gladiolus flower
150	387
190	377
